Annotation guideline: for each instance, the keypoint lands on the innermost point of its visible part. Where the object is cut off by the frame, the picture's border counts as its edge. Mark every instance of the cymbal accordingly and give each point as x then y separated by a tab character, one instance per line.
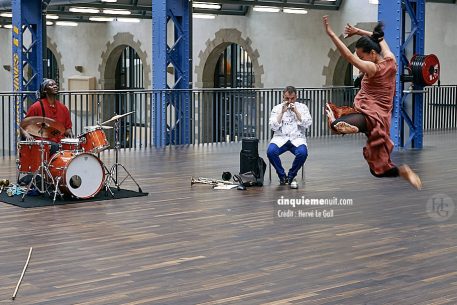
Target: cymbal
97	126
42	127
117	117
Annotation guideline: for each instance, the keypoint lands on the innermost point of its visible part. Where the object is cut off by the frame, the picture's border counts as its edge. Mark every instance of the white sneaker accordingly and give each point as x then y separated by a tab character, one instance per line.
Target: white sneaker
294	184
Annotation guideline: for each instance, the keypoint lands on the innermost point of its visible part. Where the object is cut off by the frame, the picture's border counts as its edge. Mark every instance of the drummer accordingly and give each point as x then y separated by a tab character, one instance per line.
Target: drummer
52	108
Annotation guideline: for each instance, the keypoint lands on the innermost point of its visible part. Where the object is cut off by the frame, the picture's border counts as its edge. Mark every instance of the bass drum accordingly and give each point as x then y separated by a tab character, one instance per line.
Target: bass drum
81	175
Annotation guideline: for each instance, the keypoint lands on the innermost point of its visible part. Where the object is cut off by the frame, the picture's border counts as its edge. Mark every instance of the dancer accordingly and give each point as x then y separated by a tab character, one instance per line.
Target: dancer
372	109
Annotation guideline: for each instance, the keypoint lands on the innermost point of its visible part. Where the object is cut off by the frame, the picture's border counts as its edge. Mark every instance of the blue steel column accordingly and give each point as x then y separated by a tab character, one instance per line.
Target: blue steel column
179	55
27	20
393	14
159	68
419	48
390	12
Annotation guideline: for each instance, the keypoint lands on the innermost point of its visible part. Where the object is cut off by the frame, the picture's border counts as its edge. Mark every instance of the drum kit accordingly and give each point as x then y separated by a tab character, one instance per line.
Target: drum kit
75	169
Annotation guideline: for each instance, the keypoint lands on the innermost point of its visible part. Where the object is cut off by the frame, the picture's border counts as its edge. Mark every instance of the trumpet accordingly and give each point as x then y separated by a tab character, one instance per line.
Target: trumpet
214	182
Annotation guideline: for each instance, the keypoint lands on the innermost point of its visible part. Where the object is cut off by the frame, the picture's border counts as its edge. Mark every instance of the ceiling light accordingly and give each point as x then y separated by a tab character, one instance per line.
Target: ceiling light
210	6
8	15
52	17
49	23
111	1
101	19
84	10
266	9
66	23
373	1
117	12
203	16
295	11
133	20
8	26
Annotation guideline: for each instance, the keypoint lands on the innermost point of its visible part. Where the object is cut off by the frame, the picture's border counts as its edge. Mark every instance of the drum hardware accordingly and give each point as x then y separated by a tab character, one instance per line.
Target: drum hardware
57	190
71	144
117	117
93	140
113	173
35	167
87	128
41	127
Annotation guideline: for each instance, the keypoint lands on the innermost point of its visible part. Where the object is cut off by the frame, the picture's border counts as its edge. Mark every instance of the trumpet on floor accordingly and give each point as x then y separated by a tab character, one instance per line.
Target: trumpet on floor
202	180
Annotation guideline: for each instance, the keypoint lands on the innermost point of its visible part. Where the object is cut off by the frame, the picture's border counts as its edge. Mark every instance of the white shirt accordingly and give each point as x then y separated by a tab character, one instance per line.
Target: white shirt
290	128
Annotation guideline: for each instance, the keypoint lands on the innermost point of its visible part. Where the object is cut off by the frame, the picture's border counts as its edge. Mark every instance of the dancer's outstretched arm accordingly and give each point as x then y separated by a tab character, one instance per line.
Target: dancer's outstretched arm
367	67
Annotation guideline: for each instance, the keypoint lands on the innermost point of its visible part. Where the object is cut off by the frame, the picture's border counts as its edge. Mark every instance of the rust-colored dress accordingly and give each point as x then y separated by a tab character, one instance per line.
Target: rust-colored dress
375	101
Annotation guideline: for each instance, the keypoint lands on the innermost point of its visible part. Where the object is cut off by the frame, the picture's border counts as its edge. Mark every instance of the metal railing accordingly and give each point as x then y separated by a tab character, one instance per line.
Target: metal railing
440	108
217	115
229	115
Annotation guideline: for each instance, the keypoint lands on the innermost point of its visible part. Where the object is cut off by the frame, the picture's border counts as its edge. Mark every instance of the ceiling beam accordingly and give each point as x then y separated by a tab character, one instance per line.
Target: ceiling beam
280	3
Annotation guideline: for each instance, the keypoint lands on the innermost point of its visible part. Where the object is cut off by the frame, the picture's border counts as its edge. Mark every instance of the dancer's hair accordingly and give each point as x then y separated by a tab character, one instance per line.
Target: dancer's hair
372	43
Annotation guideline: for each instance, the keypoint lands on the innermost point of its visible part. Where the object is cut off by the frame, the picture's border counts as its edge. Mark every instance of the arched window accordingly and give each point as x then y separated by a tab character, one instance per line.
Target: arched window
129	70
234	111
234	69
129	75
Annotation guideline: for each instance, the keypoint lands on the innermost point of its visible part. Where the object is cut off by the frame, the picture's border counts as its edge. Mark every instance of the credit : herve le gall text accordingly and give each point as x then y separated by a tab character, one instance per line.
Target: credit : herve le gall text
305	214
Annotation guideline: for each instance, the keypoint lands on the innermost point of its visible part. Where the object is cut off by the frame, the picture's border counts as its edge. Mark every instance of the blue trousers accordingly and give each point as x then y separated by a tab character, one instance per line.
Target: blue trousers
300	152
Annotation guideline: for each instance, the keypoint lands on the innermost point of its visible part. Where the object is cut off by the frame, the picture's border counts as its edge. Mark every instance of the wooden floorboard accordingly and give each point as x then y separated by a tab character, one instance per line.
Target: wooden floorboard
195	245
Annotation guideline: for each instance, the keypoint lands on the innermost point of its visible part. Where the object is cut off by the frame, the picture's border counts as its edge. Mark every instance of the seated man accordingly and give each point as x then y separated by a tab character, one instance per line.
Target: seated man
289	120
49	106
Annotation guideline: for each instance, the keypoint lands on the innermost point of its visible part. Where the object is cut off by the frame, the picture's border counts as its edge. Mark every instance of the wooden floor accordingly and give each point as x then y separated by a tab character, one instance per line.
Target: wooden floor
195	245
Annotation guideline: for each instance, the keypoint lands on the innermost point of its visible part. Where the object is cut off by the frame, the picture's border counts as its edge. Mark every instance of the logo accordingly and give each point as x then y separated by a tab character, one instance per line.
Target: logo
440	207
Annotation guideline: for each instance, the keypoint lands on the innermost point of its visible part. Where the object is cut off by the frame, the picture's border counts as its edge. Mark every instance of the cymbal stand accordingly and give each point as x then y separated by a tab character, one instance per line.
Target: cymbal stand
114	172
107	174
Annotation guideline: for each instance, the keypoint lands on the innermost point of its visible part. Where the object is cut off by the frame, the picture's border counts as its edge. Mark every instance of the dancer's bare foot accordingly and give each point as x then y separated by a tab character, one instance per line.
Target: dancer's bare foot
343	127
407	173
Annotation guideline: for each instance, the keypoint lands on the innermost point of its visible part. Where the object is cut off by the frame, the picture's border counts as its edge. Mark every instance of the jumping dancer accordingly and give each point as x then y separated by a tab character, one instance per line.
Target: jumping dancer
372	109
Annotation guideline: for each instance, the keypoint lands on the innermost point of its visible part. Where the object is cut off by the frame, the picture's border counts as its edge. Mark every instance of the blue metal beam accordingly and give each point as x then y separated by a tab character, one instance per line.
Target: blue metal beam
178	13
396	15
27	43
418	98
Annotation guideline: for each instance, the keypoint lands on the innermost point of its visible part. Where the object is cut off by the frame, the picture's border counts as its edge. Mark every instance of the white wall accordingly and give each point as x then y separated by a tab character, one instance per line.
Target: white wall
293	49
84	45
441	38
6	81
298	47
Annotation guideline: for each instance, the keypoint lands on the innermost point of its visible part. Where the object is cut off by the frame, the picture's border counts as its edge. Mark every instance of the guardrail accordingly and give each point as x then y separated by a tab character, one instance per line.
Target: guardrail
216	115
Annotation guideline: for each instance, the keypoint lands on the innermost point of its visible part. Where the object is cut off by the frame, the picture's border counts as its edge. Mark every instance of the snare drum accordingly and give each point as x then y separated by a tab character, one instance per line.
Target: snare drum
81	175
29	153
93	140
72	144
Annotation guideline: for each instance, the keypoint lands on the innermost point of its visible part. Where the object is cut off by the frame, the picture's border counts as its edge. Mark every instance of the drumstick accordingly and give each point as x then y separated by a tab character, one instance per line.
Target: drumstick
22	275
